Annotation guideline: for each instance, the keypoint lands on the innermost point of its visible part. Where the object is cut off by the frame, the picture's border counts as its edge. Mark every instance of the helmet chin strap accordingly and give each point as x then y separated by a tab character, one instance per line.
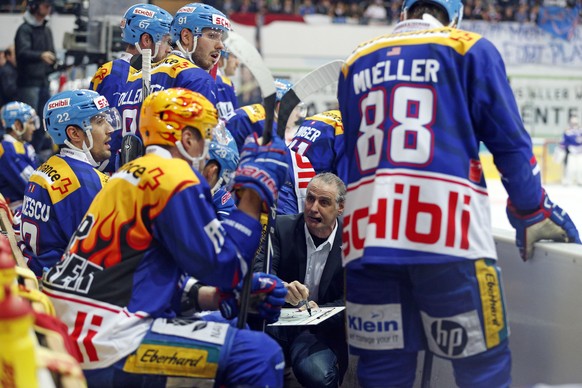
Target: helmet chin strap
194	161
86	150
156	49
188	53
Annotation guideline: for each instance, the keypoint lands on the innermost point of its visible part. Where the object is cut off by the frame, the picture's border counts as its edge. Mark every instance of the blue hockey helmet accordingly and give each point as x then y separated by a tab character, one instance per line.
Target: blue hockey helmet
227	158
16	111
140	19
76	107
196	17
454	8
282	86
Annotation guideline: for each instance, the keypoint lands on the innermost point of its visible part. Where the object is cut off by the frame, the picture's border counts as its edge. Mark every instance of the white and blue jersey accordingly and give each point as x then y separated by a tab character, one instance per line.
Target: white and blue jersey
413	126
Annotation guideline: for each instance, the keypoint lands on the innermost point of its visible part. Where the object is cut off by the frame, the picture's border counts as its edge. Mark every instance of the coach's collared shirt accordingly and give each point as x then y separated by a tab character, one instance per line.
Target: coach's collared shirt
316	259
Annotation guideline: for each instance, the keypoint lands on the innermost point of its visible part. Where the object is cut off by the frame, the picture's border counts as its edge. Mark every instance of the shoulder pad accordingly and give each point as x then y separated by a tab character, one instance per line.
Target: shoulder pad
256	112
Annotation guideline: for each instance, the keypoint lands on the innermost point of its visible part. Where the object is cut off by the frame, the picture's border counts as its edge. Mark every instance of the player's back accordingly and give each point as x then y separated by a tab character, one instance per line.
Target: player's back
319	138
415	106
16	166
246	120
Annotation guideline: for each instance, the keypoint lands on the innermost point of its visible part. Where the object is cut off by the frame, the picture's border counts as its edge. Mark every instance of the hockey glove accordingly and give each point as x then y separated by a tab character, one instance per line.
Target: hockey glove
267	297
549	222
262	168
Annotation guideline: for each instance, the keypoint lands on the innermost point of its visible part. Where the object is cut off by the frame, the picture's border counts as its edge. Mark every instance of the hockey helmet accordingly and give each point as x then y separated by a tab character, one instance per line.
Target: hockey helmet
196	17
17	111
166	113
282	86
226	157
454	8
140	19
76	107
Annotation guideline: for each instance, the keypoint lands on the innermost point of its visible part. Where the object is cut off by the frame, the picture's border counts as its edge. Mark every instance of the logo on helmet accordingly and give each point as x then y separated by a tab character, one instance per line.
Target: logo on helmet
144	12
59	103
101	102
221	21
123	23
186	10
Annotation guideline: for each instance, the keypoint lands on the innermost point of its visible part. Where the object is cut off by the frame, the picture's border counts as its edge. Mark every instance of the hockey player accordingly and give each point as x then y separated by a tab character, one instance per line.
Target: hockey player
219	171
151	223
319	138
60	191
17	157
202	33
417	241
199	31
227	100
572	145
251	119
144	26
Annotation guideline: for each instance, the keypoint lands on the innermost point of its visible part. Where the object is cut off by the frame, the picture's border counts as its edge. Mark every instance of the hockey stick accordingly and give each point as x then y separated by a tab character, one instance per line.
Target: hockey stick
250	57
426	368
319	78
131	144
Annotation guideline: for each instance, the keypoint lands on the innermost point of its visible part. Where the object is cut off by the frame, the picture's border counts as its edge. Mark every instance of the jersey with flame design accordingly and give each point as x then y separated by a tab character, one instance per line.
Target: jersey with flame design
320	139
59	193
151	223
17	162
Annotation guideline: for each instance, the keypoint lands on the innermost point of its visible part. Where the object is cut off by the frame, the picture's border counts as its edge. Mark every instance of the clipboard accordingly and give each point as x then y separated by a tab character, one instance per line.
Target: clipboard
294	317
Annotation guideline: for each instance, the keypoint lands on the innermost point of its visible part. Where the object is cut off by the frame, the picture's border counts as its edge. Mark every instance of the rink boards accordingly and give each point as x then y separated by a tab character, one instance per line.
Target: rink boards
544	302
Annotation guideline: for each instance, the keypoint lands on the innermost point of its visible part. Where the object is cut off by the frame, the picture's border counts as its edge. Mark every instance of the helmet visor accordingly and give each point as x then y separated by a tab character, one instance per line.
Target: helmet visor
110	116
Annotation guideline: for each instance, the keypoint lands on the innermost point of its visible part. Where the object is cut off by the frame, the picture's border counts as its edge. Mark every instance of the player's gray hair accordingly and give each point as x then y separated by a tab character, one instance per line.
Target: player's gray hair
332	179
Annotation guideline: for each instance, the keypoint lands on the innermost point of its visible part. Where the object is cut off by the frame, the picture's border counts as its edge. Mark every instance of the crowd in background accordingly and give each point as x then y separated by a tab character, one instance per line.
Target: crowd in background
374	12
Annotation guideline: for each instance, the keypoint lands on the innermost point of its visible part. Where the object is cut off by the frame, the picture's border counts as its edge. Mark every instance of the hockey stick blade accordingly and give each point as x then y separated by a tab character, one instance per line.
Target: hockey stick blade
252	59
319	78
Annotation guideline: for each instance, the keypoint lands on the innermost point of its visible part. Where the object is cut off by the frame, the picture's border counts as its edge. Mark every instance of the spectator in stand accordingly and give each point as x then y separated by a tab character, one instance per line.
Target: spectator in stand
521	16
376	13
340	13
247	6
8	77
324	7
478	10
288	7
306	8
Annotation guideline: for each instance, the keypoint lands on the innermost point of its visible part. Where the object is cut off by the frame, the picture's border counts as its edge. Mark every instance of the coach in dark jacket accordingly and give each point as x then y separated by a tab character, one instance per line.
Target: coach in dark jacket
307	256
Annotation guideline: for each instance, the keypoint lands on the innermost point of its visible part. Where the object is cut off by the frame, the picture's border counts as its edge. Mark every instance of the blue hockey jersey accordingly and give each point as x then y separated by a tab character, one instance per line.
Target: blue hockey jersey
320	139
227	101
151	223
416	104
172	72
17	162
58	195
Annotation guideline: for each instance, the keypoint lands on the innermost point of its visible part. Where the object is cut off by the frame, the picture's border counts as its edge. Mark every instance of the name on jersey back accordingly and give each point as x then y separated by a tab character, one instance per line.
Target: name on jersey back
415	70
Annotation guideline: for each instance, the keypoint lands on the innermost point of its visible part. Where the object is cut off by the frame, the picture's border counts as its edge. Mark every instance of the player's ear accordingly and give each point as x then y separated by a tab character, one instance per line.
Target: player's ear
185	36
74	134
145	41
